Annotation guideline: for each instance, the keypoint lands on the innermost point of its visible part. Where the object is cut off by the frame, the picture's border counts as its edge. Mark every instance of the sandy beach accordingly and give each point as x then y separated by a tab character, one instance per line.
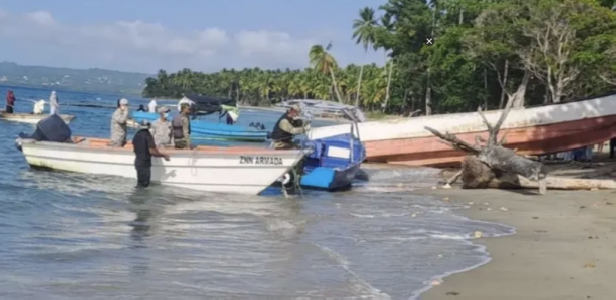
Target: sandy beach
564	247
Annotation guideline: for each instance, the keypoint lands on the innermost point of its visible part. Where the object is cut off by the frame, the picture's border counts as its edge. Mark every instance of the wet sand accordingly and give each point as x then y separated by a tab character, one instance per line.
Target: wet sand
564	247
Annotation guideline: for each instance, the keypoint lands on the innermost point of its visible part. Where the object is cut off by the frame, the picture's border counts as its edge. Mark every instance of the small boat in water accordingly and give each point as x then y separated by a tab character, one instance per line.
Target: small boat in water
236	170
331	164
211	130
535	131
30	118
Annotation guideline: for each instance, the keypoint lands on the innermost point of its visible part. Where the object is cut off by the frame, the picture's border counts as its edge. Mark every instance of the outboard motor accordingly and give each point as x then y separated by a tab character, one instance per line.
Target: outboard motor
50	129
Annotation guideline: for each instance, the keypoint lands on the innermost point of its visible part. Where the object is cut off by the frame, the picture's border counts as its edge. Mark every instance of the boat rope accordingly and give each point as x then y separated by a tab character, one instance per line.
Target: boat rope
193	161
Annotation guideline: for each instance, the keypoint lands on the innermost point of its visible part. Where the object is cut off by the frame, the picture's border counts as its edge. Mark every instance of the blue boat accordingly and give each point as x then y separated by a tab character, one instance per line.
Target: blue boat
213	131
332	164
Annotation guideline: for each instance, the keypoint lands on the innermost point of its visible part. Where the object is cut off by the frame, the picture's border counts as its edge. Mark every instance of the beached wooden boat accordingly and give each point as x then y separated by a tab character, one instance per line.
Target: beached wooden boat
533	131
213	131
235	170
30	118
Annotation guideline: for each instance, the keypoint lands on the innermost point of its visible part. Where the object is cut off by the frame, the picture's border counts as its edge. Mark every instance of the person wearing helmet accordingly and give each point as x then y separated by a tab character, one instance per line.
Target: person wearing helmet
144	148
118	124
287	127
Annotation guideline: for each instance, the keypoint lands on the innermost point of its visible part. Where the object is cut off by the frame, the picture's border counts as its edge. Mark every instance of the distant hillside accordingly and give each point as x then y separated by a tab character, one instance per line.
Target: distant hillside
88	80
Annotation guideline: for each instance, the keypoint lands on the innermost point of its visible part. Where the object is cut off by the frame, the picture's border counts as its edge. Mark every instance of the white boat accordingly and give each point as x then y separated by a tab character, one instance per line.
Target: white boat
235	170
30	118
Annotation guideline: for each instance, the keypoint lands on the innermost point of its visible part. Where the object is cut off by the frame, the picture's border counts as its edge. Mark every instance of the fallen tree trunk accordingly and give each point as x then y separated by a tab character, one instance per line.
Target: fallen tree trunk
491	161
477	175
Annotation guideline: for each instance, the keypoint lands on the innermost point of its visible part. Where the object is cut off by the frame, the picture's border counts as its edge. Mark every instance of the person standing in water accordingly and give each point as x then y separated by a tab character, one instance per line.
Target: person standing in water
144	148
10	101
54	104
181	127
118	124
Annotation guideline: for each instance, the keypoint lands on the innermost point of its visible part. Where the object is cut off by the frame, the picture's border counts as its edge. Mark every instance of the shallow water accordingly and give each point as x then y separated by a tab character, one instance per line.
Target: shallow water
75	236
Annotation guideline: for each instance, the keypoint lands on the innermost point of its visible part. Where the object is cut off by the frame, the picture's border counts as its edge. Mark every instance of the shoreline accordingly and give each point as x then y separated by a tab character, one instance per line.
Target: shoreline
562	246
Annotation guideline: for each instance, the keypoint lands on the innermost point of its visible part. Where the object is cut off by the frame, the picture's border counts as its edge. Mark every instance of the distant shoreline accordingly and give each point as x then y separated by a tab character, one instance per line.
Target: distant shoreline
60	89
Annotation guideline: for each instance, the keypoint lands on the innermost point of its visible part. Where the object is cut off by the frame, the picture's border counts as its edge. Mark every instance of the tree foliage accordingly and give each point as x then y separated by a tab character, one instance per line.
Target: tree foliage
554	49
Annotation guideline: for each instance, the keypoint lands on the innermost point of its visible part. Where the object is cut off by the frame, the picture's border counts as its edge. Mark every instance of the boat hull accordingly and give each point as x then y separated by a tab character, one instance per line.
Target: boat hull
233	170
31	118
329	179
213	131
532	131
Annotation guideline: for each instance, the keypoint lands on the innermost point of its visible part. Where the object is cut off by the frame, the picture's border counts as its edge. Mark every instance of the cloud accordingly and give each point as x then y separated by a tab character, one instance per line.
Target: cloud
38	38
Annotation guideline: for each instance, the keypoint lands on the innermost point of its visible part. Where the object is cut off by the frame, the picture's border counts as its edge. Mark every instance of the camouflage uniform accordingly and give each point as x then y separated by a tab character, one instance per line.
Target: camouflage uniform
118	128
181	127
162	132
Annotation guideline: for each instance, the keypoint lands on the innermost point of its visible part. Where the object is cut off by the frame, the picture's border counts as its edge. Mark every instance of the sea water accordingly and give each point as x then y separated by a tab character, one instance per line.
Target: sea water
77	236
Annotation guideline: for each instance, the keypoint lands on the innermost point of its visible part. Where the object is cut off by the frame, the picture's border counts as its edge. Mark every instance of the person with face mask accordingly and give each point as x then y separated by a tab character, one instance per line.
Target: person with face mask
118	124
161	129
288	126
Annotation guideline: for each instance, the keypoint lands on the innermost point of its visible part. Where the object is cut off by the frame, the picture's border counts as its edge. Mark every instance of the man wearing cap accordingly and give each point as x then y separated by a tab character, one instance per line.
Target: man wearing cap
287	126
118	124
181	127
161	129
144	148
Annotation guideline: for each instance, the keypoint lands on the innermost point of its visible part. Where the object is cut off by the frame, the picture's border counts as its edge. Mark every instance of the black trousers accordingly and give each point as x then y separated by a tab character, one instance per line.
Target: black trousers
9	109
143	176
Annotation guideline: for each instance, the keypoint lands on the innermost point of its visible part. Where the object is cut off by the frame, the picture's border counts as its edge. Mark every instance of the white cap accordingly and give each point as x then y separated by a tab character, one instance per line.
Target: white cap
123	101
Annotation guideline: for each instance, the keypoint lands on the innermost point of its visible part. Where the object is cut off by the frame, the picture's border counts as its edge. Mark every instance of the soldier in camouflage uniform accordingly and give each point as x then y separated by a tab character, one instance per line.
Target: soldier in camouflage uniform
161	129
181	127
118	124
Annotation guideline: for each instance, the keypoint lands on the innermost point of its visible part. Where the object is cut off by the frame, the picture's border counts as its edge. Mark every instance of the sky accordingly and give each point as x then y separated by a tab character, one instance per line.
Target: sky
203	35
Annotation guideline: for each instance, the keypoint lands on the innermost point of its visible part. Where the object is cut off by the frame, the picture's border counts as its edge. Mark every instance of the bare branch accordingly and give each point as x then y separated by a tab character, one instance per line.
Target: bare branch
455	142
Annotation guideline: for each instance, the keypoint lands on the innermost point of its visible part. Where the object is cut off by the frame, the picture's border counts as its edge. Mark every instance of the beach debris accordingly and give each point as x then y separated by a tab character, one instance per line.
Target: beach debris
452	293
504	209
477	234
435	282
486	204
413	215
446	199
434	188
590	266
535	218
489	208
582	207
490	164
471	203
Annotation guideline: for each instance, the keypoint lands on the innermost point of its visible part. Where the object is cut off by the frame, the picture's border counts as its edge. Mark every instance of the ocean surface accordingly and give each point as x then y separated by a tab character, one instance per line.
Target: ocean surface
75	236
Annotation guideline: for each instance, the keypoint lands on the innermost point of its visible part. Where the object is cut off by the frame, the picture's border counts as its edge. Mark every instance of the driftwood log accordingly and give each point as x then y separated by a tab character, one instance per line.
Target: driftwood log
492	165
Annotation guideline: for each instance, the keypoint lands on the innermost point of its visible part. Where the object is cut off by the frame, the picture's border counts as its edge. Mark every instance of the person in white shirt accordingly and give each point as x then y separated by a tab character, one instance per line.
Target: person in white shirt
54	103
152	106
39	107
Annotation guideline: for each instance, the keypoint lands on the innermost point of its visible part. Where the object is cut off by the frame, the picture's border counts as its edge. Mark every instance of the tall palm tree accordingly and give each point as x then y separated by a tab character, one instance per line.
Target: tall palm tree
364	33
323	62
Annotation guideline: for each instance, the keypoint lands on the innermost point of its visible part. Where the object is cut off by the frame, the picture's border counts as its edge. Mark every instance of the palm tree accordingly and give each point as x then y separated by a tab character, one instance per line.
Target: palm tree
324	63
365	34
